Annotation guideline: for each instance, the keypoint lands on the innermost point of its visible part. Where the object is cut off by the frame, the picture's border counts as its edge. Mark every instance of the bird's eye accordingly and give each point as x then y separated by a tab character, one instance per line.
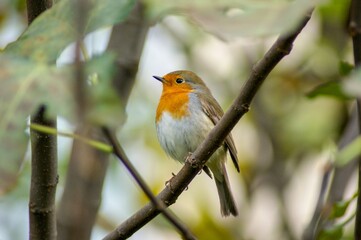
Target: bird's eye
179	80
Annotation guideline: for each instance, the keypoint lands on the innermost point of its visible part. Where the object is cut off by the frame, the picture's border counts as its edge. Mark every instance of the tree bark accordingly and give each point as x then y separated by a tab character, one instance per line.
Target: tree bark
44	179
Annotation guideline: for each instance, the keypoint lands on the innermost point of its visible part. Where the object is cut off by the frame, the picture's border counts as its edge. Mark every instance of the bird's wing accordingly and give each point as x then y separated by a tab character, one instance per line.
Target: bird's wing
215	112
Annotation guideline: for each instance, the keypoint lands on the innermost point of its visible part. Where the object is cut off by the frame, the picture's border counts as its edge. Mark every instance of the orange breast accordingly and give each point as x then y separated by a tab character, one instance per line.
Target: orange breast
176	103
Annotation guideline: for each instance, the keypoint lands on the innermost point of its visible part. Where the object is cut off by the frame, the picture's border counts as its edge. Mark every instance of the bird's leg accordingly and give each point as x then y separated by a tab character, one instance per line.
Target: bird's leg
168	183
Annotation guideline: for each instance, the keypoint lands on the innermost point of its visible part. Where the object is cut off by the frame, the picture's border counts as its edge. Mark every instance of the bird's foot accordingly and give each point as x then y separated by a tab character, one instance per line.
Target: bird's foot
168	183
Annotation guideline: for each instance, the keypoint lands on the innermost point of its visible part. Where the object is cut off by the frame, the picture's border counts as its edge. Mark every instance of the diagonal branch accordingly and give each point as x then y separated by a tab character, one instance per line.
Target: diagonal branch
196	161
119	152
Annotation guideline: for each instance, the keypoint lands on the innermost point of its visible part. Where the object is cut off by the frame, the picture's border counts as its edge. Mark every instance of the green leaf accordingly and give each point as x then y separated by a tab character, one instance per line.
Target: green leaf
339	209
52	31
332	89
334	10
332	233
348	153
345	68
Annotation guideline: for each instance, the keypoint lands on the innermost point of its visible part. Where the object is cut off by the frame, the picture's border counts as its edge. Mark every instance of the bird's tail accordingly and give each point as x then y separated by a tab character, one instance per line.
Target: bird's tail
228	205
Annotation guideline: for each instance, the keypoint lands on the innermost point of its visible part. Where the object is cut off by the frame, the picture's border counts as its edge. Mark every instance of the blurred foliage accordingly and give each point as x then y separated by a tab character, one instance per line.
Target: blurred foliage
53	30
231	18
51	86
8	6
339	208
329	89
295	120
30	77
332	233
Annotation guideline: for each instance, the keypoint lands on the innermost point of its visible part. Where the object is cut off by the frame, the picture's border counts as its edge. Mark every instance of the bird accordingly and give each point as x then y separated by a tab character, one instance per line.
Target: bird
186	113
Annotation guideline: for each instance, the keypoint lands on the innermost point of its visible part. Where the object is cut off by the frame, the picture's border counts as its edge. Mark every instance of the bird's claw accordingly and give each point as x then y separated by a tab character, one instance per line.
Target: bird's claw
168	183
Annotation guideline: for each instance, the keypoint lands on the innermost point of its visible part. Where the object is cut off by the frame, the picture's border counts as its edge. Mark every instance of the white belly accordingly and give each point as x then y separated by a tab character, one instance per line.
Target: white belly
179	137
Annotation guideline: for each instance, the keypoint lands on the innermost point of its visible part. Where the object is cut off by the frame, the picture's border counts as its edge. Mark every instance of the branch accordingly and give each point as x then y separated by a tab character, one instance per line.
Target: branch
44	179
119	152
195	162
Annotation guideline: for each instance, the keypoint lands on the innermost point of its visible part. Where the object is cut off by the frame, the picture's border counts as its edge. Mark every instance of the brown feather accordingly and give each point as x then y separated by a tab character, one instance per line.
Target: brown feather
215	112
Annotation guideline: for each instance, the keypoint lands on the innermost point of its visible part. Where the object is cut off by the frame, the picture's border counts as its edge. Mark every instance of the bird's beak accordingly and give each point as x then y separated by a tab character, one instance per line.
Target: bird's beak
160	79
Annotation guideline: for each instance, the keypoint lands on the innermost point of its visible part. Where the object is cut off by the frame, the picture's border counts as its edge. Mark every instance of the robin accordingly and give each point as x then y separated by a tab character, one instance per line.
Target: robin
186	113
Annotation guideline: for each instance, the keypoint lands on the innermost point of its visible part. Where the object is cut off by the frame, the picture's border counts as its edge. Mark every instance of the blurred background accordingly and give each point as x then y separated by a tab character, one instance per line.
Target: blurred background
284	143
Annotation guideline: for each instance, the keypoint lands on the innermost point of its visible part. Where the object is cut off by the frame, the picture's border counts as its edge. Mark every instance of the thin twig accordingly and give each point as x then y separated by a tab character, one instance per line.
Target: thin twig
215	138
119	152
102	146
44	179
